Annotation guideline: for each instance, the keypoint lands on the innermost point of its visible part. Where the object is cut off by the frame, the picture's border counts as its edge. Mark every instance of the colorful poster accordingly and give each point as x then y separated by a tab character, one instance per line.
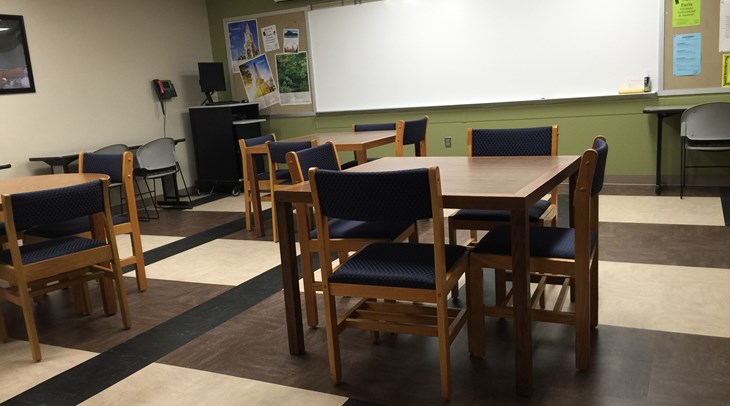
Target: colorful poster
685	13
292	70
726	70
687	54
271	41
243	41
291	40
259	82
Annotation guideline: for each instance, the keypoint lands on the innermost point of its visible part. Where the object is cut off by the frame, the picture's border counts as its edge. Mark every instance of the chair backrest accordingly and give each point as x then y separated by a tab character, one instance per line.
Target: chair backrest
707	122
533	141
587	188
157	154
403	195
322	157
601	148
106	163
54	205
112	149
277	150
373	127
250	142
411	132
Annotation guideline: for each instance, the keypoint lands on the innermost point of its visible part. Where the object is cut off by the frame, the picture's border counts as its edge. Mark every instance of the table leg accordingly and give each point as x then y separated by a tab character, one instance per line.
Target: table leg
292	301
361	156
660	122
253	181
521	300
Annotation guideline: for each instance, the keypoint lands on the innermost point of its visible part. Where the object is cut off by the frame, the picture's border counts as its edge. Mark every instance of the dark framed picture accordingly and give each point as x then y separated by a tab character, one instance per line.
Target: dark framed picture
16	74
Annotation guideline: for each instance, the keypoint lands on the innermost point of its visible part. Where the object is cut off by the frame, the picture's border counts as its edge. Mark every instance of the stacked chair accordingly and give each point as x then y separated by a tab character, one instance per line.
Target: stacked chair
156	160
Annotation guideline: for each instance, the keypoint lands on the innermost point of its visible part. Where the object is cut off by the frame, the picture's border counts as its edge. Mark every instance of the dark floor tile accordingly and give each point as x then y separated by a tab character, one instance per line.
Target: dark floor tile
182	223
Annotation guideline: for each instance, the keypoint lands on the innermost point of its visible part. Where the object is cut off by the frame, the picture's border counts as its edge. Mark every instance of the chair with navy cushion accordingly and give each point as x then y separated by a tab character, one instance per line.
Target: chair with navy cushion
403	287
567	257
119	167
534	141
368	127
411	132
59	262
705	127
262	176
276	154
345	235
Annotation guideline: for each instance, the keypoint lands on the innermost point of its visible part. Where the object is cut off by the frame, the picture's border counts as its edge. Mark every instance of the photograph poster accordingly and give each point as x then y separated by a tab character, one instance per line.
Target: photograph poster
292	71
259	81
291	40
243	41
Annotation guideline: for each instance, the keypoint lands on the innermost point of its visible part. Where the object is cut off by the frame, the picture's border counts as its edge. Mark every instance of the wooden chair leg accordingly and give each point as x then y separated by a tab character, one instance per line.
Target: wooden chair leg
475	305
500	286
248	207
121	295
139	258
594	291
3	329
582	320
444	346
333	337
310	293
27	305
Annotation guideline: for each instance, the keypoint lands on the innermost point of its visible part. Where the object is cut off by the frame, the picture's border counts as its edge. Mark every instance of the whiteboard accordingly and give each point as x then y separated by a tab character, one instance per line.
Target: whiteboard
419	53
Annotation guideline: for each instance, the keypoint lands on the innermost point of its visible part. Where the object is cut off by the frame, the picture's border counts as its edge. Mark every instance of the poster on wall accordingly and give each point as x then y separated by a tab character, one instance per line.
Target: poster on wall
685	13
291	40
271	41
687	58
243	41
292	70
259	82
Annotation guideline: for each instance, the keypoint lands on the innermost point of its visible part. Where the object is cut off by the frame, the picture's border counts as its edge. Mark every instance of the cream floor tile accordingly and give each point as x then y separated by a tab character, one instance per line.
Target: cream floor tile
661	210
18	371
148	242
666	298
159	384
230	203
223	262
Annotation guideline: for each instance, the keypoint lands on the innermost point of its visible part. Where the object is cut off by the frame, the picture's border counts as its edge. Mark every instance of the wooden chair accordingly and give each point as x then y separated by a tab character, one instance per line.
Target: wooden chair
276	154
59	262
119	167
262	176
411	133
345	235
413	279
533	141
368	127
560	255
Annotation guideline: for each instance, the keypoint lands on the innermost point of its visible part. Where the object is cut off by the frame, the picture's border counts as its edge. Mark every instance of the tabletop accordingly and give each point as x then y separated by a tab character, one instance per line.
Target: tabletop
41	182
344	141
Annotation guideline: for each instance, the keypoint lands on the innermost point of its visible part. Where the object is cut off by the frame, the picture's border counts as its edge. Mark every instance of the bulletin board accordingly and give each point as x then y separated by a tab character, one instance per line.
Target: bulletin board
709	78
262	70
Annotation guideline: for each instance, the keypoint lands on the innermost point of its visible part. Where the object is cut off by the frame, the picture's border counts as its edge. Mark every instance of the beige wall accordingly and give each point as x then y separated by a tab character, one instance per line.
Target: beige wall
93	62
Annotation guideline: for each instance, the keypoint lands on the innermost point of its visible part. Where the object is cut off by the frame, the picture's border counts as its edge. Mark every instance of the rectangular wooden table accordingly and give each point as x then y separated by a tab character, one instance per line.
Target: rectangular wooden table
358	142
501	183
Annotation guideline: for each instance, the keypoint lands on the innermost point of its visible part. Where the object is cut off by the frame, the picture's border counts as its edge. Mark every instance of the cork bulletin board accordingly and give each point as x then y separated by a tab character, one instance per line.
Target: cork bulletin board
269	61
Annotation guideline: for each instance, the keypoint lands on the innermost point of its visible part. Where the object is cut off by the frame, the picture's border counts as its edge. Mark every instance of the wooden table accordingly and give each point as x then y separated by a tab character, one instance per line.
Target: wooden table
661	113
502	183
42	182
358	142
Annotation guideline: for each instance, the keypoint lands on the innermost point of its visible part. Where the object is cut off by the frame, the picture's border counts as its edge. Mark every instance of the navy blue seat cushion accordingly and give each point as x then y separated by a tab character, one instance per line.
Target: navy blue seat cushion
340	228
280	174
545	242
395	264
534	213
353	163
68	227
51	249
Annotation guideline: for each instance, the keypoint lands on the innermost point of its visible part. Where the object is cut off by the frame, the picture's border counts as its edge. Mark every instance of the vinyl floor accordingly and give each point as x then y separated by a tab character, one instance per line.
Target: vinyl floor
210	328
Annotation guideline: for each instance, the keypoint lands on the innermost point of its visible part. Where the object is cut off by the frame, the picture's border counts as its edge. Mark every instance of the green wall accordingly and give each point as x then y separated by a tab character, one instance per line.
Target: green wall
630	133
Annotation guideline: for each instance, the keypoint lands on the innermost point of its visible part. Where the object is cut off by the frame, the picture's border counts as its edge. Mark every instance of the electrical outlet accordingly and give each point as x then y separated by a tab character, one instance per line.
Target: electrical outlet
447	142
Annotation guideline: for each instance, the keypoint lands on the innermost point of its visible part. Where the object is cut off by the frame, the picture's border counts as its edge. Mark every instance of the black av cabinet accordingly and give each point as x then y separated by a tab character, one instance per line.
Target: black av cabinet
216	131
